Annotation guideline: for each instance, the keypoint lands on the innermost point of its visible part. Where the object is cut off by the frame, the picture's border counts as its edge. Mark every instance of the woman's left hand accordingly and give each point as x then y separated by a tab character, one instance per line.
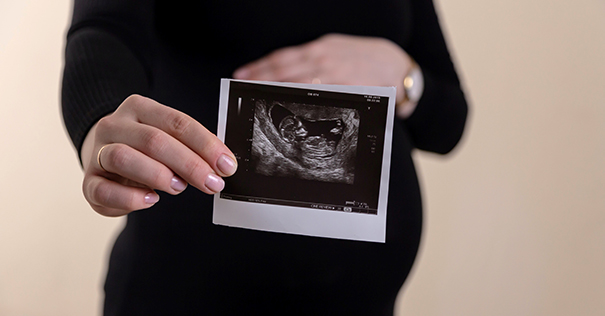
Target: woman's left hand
334	59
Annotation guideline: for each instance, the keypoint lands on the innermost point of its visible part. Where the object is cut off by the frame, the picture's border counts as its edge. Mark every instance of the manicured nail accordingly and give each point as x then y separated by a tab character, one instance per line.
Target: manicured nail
151	198
241	73
177	184
215	183
226	165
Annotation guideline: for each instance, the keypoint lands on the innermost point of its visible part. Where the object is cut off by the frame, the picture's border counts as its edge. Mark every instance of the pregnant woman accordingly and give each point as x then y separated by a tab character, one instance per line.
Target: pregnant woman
140	101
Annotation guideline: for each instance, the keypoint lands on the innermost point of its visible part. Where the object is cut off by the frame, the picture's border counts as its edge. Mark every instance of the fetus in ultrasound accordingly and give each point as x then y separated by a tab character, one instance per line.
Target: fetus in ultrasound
305	141
313	138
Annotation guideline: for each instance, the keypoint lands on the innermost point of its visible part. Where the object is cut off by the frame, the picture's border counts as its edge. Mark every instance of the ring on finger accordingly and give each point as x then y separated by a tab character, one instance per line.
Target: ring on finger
99	157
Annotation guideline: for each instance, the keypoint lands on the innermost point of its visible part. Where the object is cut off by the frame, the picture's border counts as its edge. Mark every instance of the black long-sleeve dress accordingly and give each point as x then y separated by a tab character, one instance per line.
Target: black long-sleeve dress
171	259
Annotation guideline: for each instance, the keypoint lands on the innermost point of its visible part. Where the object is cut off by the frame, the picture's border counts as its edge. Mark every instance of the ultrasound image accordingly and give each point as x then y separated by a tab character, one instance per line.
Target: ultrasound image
305	141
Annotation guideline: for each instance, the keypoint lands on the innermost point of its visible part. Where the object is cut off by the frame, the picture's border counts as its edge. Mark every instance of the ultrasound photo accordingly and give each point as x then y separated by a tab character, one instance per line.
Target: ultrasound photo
312	159
305	141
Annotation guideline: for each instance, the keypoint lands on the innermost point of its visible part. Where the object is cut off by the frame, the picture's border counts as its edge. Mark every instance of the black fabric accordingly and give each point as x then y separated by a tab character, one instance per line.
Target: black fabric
171	259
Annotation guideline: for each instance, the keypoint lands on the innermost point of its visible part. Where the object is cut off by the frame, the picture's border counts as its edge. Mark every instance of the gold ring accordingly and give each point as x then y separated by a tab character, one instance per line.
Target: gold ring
99	157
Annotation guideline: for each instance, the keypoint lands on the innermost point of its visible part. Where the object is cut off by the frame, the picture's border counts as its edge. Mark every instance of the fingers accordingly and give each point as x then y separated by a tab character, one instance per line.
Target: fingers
333	59
111	198
158	150
160	142
145	146
131	164
183	129
294	64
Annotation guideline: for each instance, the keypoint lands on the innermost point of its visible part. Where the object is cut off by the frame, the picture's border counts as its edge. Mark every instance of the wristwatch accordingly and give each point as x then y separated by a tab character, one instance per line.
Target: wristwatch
413	84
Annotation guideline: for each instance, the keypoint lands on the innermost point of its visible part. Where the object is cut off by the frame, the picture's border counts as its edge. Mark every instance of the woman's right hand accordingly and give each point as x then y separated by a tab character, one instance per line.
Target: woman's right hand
145	146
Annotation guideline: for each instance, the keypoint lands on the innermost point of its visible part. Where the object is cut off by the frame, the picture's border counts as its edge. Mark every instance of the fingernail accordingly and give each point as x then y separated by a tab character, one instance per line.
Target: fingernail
226	165
215	183
241	73
177	184
151	198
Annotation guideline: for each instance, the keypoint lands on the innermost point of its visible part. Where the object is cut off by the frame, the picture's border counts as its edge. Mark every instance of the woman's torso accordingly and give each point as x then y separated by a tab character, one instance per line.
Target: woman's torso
172	259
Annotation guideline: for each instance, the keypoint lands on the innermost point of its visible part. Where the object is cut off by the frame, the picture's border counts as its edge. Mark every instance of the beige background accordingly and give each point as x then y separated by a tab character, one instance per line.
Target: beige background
515	221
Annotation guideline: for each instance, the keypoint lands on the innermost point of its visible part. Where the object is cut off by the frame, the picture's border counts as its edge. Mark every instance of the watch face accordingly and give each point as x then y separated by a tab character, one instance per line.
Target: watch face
413	84
408	82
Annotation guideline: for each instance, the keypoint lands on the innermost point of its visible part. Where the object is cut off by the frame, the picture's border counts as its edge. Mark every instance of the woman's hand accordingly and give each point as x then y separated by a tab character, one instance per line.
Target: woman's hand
145	146
335	59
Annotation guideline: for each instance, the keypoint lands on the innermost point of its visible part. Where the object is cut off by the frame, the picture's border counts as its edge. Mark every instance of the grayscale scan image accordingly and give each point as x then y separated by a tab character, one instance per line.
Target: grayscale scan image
305	141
